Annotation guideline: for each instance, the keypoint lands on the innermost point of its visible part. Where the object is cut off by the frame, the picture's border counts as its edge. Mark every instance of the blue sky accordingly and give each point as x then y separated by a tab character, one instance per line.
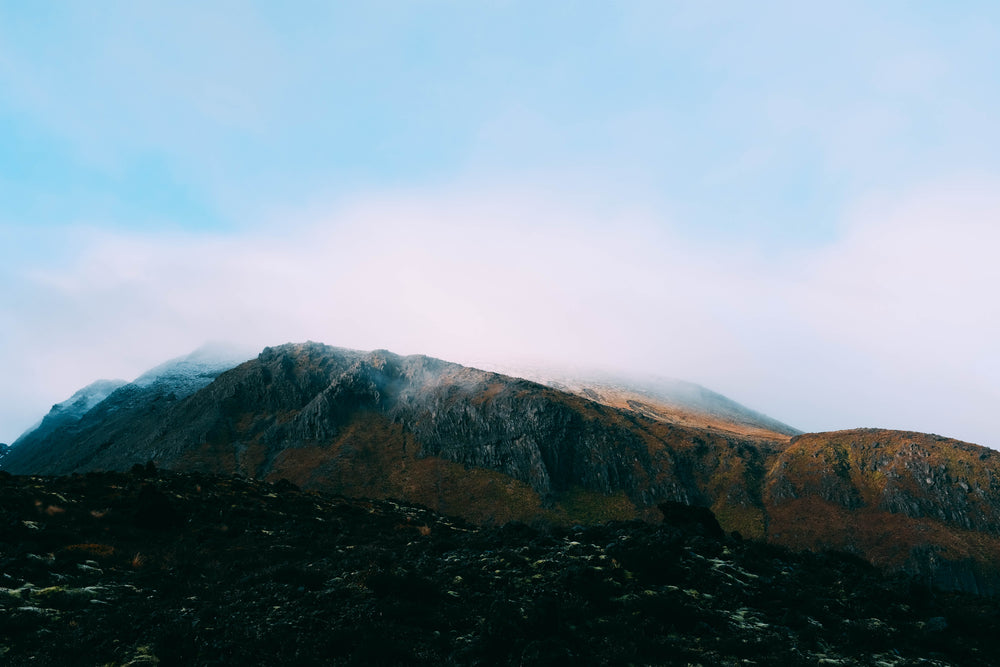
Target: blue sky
791	203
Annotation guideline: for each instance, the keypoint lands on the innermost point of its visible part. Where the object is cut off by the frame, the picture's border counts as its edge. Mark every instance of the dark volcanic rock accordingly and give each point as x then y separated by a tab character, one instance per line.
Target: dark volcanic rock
239	572
693	520
155	511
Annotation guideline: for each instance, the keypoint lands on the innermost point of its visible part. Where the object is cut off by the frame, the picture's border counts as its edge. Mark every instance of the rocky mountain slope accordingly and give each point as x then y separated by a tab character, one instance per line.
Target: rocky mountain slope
146	568
903	499
483	445
493	448
117	401
73	409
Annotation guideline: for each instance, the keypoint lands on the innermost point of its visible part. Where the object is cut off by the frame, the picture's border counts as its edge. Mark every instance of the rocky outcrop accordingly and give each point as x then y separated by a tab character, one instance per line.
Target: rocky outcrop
918	502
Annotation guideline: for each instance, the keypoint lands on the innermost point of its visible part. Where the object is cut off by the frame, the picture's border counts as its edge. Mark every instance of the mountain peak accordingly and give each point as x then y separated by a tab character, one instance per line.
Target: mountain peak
74	407
190	372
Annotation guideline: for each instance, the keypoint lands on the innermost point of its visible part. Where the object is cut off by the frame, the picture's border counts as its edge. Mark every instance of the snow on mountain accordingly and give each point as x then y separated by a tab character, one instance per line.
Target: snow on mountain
75	407
178	377
185	375
85	399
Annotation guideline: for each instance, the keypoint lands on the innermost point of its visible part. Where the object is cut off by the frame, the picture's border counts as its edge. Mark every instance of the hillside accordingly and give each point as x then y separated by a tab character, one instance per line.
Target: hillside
73	409
145	568
903	499
492	449
106	402
482	445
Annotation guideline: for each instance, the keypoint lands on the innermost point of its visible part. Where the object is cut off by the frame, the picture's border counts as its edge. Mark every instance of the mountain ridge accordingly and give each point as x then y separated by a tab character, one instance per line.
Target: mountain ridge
173	379
660	398
492	449
75	407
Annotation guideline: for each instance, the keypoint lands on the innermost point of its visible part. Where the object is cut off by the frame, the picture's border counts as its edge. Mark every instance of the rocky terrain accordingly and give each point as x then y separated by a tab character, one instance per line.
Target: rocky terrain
146	568
482	445
907	500
493	449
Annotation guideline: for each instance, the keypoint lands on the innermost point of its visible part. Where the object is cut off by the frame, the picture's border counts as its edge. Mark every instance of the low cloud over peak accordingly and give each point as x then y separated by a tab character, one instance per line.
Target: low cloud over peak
892	324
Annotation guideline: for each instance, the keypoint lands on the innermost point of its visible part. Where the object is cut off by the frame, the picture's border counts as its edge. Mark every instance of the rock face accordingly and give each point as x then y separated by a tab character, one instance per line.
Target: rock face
908	500
493	448
146	567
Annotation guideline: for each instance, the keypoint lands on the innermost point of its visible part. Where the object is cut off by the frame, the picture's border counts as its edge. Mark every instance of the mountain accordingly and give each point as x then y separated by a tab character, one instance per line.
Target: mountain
924	503
493	448
185	375
486	446
73	408
672	401
149	567
117	403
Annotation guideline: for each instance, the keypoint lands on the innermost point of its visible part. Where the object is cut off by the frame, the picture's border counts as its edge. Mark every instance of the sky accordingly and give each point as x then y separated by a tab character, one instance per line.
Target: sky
794	204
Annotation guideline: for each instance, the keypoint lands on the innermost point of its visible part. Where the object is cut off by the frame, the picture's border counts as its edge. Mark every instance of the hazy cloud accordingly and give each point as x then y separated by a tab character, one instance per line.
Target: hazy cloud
894	324
772	199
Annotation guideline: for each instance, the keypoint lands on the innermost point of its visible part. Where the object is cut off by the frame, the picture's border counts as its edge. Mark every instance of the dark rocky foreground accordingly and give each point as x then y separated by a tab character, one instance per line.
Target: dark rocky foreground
182	569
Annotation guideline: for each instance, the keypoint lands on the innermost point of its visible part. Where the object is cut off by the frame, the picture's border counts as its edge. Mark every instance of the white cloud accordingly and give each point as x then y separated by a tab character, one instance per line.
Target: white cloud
892	325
